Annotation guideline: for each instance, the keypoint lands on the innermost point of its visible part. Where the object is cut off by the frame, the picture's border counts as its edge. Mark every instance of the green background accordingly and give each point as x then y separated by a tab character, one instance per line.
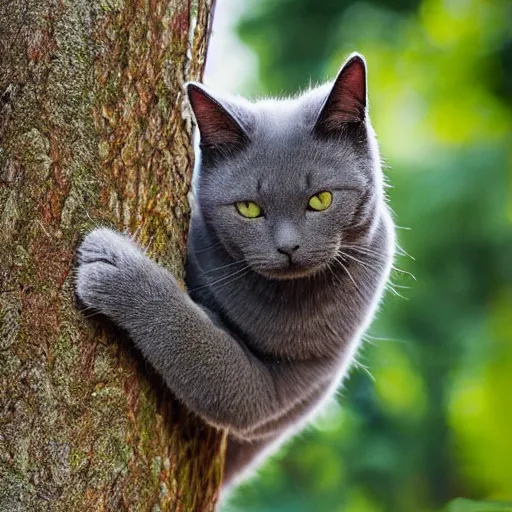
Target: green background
426	413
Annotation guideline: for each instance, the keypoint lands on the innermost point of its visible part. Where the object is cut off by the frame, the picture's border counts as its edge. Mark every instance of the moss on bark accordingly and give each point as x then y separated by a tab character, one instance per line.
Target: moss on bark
93	130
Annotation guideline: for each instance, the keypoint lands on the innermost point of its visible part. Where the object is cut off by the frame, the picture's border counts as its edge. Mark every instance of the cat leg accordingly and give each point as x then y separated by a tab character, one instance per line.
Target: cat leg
205	367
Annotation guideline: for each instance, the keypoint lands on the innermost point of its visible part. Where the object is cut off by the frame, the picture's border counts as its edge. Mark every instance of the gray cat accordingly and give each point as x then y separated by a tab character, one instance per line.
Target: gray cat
290	246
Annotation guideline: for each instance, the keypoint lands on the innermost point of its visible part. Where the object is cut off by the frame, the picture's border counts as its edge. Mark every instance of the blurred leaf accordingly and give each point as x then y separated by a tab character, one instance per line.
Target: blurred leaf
462	505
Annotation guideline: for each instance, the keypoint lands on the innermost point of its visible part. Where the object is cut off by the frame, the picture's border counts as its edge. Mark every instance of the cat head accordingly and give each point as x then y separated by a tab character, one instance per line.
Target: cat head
285	183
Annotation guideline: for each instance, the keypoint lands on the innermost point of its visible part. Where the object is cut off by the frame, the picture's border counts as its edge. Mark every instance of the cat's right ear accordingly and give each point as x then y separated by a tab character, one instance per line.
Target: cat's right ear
218	127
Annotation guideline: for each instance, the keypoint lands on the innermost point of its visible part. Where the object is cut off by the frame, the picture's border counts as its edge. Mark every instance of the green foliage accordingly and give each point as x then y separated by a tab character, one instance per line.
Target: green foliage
462	505
434	421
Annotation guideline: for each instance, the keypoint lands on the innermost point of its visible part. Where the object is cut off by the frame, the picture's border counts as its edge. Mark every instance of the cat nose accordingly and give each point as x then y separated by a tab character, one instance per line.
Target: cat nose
287	249
286	239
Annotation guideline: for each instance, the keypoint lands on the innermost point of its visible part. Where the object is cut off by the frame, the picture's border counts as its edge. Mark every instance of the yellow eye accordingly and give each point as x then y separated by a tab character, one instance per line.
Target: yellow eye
320	201
248	209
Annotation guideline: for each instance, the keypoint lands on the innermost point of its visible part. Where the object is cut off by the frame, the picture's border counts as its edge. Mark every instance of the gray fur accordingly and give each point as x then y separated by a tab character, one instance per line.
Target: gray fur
269	329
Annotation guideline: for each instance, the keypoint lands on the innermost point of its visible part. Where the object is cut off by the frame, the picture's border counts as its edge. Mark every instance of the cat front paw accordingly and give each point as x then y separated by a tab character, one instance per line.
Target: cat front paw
108	267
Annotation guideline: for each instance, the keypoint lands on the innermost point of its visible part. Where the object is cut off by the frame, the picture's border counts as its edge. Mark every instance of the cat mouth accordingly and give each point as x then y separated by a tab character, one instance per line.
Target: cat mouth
292	271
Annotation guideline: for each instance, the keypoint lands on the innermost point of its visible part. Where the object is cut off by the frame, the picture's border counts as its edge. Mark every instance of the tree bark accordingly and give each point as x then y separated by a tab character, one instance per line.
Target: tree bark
93	130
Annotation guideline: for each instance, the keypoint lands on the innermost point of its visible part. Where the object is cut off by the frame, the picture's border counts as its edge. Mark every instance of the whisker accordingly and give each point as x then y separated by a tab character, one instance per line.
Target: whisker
402	286
403	272
222	267
403	252
368	251
334	275
208	248
213	283
389	286
89	312
367	265
90	315
348	273
377	338
365	369
364	250
247	271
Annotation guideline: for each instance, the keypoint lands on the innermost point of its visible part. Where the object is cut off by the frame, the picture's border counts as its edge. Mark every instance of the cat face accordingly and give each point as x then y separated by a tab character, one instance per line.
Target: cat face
284	184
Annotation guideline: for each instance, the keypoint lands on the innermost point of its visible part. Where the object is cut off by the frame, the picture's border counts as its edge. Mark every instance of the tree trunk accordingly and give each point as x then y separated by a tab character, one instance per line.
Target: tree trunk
93	130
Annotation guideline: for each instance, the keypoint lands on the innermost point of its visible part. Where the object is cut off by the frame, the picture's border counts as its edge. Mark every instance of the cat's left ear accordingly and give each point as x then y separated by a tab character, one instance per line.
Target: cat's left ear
346	102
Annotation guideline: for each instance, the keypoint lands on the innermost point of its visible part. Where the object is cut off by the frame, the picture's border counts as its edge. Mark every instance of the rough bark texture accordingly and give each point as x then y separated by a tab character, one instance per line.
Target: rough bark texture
93	130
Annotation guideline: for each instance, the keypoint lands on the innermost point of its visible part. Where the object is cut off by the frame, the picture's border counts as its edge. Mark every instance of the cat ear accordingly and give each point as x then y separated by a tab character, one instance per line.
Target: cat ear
346	101
217	125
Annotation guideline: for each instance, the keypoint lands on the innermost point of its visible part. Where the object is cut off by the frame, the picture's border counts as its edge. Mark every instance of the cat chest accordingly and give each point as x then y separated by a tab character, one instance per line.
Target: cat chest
287	331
